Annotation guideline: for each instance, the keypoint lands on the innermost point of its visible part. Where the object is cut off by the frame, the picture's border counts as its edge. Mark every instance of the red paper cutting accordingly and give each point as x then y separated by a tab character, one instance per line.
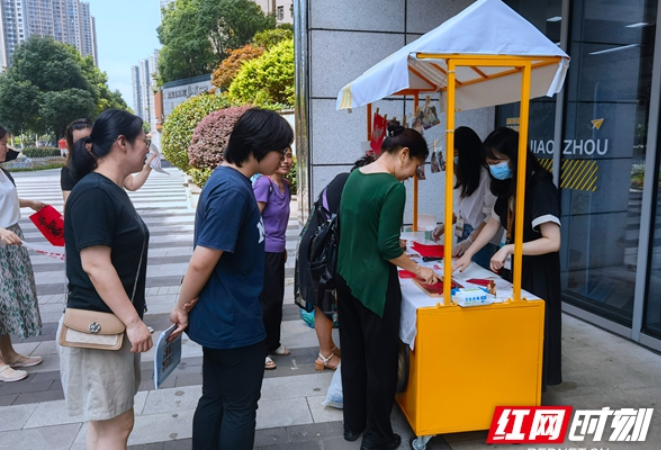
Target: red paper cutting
429	251
379	128
49	221
406	274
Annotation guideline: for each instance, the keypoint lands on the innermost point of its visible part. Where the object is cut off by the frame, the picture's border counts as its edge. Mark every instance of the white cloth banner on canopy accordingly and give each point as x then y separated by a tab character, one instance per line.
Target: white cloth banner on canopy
486	28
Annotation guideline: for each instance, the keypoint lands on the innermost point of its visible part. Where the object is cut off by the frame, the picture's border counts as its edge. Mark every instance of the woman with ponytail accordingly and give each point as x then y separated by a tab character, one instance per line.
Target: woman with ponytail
369	296
79	129
106	246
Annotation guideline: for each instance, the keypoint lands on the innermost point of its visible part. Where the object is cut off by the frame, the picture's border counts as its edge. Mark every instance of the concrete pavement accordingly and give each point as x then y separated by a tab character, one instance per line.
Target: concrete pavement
600	369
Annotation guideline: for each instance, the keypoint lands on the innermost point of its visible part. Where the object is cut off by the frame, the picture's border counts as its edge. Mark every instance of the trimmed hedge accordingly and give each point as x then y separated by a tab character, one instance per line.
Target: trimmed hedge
181	123
40	152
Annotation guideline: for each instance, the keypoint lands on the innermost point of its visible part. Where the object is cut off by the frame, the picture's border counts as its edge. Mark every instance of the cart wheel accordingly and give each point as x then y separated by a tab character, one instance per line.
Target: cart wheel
420	443
402	367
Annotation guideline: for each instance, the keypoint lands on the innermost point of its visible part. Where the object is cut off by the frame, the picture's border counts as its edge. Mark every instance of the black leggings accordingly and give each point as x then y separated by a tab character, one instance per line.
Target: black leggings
231	386
369	361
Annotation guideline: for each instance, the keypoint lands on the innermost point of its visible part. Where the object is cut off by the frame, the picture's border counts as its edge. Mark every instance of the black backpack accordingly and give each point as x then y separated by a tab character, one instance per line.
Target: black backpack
322	256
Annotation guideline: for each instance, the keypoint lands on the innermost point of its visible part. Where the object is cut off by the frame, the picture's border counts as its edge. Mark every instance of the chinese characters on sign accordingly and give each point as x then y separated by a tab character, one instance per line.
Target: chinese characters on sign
549	424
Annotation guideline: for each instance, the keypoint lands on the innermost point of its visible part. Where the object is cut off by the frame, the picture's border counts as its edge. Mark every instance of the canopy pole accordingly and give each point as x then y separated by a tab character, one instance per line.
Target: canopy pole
369	121
521	181
415	176
449	178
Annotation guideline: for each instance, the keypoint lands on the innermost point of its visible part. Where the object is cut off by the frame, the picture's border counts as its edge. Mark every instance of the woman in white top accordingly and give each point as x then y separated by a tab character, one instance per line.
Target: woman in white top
475	200
19	309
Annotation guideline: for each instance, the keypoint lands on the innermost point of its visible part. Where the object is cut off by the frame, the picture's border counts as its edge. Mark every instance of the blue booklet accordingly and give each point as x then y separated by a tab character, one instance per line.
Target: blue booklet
167	356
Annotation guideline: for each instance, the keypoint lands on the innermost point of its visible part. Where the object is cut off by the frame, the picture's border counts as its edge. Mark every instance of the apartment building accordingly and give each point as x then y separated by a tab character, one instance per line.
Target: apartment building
67	21
282	9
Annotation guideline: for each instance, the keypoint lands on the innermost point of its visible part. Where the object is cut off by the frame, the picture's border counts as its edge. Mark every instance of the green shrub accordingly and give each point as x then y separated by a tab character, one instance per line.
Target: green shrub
180	124
200	176
268	79
40	152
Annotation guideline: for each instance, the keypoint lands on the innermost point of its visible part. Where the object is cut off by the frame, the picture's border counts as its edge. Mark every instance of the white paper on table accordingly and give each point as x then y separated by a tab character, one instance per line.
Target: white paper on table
46	249
156	163
413	297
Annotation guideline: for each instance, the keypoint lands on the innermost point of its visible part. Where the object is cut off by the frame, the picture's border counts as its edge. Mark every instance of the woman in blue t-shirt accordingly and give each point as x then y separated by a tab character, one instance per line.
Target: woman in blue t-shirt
223	281
273	197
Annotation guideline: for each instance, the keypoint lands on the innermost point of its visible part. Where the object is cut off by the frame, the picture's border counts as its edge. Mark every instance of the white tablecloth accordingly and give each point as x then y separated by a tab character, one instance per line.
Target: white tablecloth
413	297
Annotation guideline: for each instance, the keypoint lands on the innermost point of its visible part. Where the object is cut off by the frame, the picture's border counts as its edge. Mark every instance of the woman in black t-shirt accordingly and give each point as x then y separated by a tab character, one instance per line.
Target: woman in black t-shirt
541	237
323	314
106	246
79	129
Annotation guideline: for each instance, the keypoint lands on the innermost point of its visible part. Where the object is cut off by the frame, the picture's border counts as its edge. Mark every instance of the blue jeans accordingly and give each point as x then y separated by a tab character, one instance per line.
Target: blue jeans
483	257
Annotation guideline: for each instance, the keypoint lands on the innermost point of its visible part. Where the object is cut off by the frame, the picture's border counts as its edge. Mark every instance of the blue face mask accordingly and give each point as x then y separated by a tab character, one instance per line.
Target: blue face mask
456	160
500	171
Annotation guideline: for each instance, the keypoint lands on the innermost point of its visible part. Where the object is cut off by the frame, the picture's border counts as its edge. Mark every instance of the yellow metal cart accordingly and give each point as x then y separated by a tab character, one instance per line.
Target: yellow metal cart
467	361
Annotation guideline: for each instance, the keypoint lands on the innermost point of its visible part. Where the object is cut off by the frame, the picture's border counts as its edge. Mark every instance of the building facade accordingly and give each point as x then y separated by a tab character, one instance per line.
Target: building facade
283	10
599	137
67	21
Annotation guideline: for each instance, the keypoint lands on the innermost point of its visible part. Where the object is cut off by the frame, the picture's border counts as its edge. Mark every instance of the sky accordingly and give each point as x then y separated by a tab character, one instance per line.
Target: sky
125	33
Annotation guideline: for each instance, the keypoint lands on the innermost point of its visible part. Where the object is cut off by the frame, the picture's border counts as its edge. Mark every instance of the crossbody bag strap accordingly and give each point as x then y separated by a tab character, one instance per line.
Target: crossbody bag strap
142	256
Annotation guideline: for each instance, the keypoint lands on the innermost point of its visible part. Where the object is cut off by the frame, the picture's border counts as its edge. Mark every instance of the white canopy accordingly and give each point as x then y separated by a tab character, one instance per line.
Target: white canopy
486	28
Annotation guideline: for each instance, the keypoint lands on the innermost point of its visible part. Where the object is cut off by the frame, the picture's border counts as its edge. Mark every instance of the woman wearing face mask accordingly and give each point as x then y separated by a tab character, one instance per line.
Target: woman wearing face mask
369	295
541	236
475	198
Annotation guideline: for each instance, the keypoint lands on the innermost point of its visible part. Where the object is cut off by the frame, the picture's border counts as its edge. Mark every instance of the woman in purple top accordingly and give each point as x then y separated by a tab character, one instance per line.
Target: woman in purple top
273	197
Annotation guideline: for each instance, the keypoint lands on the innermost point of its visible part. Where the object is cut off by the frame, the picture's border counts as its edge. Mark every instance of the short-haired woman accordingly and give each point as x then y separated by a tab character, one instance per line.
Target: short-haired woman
226	273
273	197
541	236
106	246
19	308
369	296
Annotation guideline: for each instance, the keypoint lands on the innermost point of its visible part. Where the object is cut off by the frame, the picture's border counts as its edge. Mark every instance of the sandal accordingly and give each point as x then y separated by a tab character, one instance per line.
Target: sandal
321	363
26	361
281	351
269	364
337	352
7	374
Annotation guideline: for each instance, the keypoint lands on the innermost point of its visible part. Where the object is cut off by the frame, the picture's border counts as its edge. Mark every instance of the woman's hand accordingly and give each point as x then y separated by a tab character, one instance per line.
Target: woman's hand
428	276
498	260
149	161
36	205
438	232
9	238
462	263
179	316
139	337
461	247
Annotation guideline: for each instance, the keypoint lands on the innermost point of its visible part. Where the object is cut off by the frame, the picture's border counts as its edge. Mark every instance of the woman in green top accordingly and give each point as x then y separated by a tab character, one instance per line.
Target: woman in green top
369	296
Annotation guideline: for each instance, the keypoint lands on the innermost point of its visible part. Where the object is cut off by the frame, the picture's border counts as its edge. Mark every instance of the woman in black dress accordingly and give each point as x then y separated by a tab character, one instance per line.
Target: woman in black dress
541	237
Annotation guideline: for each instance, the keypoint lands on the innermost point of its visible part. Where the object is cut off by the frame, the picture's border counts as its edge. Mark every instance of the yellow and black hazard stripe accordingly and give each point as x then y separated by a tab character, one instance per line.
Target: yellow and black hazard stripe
576	174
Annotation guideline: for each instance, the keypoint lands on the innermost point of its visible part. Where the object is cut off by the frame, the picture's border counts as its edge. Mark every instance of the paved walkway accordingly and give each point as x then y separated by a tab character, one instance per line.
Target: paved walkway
600	369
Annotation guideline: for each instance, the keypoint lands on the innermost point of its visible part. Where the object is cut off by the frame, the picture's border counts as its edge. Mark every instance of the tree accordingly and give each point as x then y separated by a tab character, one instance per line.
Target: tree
59	108
49	85
270	38
227	70
186	48
107	99
267	80
18	101
232	23
197	35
